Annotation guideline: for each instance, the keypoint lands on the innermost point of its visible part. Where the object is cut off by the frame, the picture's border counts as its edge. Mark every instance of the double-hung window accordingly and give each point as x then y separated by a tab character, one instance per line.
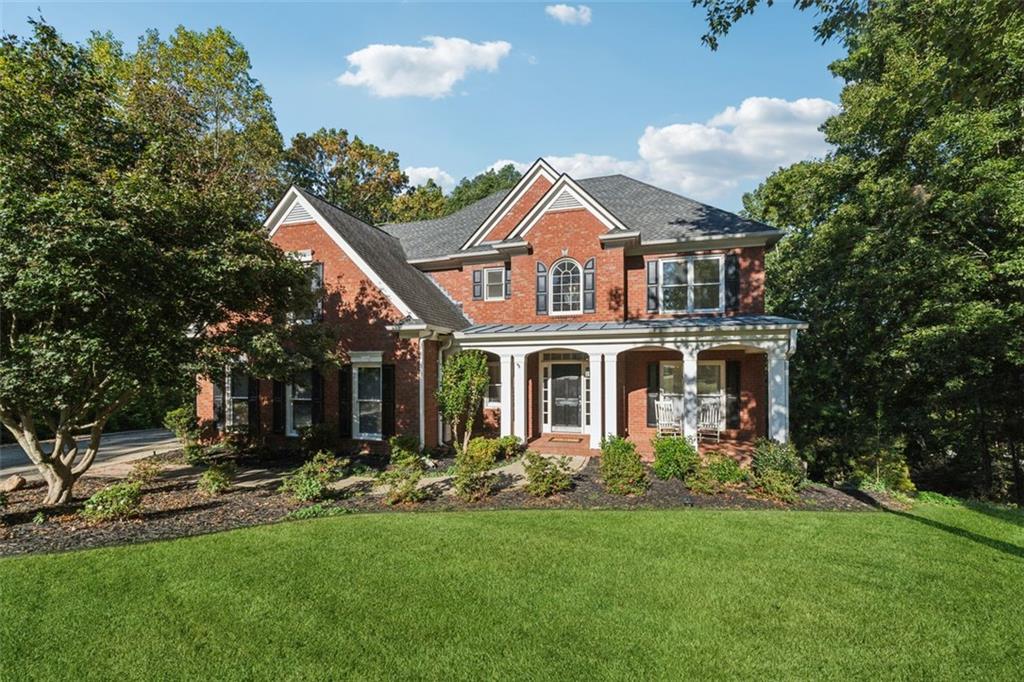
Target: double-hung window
695	284
238	412
493	397
316	285
300	402
367	398
494	284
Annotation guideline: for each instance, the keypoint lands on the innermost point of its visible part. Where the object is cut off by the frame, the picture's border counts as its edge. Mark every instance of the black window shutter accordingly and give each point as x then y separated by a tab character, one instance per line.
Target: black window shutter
345	401
653	385
317	391
732	394
588	287
508	281
732	283
542	289
387	400
218	400
652	286
254	406
478	285
278	402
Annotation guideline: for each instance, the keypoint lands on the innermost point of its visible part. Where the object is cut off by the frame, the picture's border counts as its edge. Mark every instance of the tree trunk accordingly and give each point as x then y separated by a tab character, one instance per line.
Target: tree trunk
59	482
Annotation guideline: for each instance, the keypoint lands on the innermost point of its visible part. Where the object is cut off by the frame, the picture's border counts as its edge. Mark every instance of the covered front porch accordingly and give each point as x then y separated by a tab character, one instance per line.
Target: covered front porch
562	387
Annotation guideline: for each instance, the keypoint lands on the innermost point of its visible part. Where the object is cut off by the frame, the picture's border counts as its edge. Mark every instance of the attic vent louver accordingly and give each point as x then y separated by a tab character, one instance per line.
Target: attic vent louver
565	201
298	214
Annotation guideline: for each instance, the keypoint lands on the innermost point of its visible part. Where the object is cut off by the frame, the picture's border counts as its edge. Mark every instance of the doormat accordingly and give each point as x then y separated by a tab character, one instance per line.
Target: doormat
565	439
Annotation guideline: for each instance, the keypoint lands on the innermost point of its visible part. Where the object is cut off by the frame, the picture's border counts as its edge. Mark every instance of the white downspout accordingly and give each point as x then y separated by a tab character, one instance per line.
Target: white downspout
423	393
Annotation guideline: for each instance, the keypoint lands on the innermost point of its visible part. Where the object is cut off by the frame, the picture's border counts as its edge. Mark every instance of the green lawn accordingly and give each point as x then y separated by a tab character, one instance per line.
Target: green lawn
936	593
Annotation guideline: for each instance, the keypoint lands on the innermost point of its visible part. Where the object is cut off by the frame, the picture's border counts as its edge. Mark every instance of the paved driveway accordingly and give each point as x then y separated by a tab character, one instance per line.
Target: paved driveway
115	447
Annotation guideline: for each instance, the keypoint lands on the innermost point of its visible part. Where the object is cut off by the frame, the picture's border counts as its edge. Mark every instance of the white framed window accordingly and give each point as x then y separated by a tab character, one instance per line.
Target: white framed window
695	284
494	284
566	288
316	284
299	403
239	386
710	384
367	401
493	397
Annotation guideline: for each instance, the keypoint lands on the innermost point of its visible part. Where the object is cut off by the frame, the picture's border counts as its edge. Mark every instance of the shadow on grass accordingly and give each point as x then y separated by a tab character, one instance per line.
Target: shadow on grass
998	545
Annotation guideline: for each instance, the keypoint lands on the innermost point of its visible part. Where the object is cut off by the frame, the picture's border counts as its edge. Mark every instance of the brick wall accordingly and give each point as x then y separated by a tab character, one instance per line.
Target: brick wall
527	201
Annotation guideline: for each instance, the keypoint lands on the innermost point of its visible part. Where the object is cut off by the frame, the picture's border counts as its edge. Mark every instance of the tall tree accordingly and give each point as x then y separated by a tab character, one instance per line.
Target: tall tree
424	202
483	185
127	258
905	249
360	177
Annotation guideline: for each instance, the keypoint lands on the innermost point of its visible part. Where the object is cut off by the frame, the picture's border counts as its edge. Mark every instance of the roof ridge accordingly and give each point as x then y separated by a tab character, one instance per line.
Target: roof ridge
453	213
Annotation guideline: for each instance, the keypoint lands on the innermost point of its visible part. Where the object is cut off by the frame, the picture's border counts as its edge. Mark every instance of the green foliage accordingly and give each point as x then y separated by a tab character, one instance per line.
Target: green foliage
408	443
362	178
311	480
217	478
674	457
777	469
315	438
777	485
509	447
885	471
905	249
404	474
320	510
473	478
195	454
419	203
146	470
181	421
703	482
464	379
621	468
116	501
39	518
546	476
725	469
930	497
483	185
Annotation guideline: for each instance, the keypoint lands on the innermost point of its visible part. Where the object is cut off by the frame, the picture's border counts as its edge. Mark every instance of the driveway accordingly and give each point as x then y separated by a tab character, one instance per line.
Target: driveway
115	447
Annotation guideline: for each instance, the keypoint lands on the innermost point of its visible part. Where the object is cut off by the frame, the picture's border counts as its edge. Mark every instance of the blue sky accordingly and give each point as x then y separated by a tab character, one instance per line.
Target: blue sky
611	88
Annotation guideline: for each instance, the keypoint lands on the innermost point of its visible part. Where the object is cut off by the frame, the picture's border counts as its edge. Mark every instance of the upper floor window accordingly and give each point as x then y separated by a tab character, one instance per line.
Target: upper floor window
316	284
694	284
494	284
566	288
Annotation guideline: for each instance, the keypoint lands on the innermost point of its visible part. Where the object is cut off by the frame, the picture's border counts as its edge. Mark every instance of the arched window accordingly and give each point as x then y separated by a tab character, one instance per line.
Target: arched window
566	287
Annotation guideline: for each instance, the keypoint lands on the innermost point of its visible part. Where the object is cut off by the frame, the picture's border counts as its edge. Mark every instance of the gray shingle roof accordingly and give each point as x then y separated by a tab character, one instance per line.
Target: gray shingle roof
742	321
385	255
656	213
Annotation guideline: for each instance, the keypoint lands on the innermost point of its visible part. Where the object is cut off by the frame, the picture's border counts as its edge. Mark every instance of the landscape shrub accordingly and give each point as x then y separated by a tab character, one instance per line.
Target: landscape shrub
319	510
725	469
674	457
404	474
473	478
117	501
182	422
777	485
217	479
195	454
509	447
405	442
703	482
883	471
931	497
146	470
316	438
546	475
621	468
778	470
311	480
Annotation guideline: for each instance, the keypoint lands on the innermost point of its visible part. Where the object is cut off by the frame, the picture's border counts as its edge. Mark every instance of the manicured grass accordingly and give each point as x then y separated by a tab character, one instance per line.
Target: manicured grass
934	594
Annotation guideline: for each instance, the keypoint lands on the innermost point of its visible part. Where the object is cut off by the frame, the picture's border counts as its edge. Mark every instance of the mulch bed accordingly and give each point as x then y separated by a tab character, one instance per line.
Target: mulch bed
173	508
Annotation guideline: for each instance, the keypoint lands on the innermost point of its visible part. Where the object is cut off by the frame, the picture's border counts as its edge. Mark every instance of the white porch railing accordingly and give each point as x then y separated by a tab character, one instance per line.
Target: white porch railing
678	405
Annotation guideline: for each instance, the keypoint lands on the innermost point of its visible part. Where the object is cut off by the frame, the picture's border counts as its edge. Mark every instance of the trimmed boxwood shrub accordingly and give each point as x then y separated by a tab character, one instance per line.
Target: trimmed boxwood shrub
621	468
674	457
546	475
473	478
117	501
310	481
725	469
509	447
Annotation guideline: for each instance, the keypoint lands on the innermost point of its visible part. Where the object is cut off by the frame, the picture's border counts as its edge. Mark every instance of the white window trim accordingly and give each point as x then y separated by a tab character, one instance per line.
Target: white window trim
679	364
230	421
551	291
488	403
487	296
356	433
289	415
690	260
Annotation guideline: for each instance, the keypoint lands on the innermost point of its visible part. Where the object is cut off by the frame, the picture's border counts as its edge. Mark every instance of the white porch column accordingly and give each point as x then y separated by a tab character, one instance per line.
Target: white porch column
611	396
596	386
506	418
689	392
519	397
778	396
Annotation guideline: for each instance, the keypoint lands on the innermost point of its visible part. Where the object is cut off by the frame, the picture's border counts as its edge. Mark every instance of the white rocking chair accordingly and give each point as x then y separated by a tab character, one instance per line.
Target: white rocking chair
668	422
709	420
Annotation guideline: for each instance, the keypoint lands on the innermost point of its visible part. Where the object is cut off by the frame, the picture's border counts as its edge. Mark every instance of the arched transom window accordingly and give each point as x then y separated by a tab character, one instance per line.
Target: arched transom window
566	287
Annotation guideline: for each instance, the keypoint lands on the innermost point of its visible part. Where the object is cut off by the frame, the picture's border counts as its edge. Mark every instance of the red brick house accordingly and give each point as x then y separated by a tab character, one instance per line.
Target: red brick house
594	299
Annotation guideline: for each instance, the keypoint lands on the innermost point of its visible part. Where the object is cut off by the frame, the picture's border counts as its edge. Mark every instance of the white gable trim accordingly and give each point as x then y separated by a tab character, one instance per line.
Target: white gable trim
540	168
547	204
283	209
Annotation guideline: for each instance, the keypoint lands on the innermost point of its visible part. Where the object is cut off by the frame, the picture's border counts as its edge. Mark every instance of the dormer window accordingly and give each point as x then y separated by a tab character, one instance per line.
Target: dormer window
566	288
695	284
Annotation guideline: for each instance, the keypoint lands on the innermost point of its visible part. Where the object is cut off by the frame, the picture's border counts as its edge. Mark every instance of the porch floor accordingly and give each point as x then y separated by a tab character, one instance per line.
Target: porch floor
574	444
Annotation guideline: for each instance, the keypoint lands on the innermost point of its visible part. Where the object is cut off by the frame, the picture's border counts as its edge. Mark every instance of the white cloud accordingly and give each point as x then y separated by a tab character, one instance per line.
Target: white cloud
417	71
567	14
729	153
418	175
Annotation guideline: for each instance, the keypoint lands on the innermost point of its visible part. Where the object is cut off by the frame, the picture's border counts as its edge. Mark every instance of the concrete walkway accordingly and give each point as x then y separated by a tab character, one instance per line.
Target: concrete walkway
117	451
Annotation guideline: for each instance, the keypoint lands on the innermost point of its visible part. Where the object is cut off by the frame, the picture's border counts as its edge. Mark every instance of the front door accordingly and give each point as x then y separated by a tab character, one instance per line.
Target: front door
566	396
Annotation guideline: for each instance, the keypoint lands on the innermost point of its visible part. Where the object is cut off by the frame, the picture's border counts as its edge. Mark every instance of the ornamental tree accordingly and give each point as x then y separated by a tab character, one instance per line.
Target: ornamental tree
464	381
127	258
